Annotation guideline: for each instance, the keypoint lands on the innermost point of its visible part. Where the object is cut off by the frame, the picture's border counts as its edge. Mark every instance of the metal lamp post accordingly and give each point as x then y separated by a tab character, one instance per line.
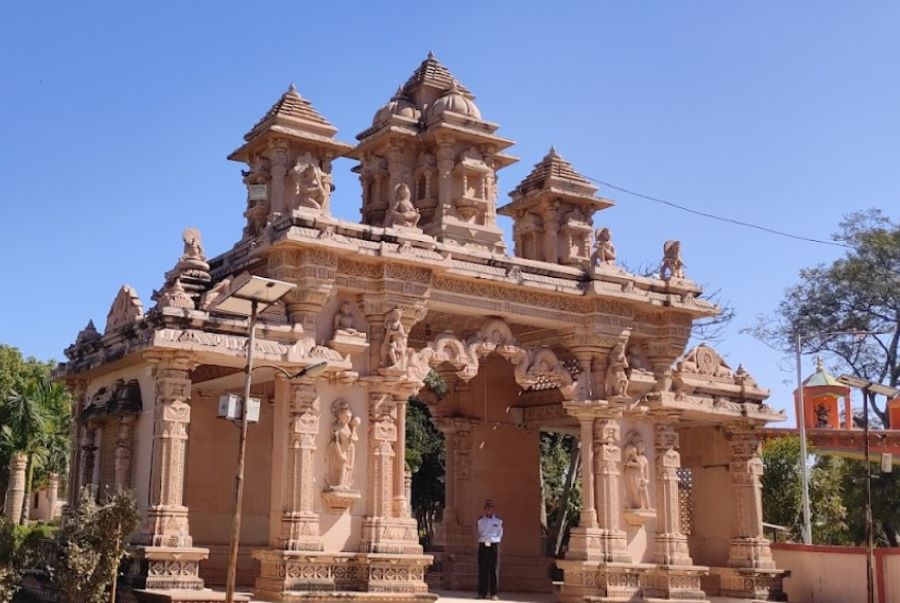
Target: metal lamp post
801	424
247	297
866	386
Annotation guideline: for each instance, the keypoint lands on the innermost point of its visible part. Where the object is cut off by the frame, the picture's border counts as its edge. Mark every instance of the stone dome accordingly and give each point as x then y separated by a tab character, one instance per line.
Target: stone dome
398	105
454	100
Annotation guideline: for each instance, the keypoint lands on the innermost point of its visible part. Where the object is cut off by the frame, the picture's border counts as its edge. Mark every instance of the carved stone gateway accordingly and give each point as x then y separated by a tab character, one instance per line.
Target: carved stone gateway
554	336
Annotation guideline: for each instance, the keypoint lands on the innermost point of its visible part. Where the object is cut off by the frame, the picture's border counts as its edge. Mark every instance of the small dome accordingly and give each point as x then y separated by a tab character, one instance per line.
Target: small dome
398	105
456	101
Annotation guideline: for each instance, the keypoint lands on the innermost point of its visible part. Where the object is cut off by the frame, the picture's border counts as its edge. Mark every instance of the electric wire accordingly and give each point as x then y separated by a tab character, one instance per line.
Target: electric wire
717	217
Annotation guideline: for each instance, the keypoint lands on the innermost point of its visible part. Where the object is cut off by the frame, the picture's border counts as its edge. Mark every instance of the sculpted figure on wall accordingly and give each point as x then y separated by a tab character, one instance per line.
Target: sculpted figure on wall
343	320
309	186
604	250
616	372
402	211
672	265
637	473
393	348
342	448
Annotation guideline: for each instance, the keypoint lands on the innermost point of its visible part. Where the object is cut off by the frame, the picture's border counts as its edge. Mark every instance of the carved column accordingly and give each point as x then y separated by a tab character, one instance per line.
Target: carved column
584	542
88	456
300	523
313	272
73	483
749	548
382	436
400	501
278	157
551	233
124	447
167	558
15	489
445	164
671	543
607	457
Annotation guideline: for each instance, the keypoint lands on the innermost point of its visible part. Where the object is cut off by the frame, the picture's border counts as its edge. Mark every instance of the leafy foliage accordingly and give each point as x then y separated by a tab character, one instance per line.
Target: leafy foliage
858	292
561	511
90	547
20	549
425	459
35	415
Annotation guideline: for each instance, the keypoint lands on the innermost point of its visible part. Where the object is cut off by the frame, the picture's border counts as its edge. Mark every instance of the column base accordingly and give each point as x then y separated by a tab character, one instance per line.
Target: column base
597	544
299	576
166	526
160	568
741	583
451	537
393	535
672	549
300	532
753	553
630	582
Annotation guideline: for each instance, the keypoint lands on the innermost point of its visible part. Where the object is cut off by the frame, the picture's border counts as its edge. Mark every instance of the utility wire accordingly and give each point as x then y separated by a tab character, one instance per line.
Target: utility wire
719	218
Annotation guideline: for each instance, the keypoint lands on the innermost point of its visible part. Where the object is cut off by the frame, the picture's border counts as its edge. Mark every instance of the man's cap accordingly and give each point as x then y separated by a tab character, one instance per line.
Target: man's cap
488	502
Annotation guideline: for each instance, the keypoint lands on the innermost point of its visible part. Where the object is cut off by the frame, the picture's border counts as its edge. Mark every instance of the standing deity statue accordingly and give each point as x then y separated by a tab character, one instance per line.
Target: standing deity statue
672	265
637	473
309	186
193	246
616	372
604	251
342	448
393	348
402	211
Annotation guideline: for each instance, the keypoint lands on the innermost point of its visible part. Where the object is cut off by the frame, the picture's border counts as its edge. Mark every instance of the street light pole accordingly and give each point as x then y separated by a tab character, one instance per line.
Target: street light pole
242	453
870	537
801	425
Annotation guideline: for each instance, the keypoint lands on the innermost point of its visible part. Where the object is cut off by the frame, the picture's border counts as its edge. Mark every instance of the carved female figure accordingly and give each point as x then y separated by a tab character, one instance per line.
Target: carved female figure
604	251
402	211
342	448
310	189
393	348
616	372
637	473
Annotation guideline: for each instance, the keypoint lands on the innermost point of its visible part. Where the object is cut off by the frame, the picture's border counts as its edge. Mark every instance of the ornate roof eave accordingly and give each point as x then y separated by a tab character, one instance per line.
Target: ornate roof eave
336	147
466	128
384	133
523	202
704	408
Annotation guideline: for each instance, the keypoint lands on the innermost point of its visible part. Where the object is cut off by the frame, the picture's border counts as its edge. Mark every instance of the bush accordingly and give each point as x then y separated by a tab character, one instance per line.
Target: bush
21	548
90	546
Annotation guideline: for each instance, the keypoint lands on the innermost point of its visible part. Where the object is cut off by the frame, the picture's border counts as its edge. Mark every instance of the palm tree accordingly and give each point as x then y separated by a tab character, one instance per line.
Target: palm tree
33	420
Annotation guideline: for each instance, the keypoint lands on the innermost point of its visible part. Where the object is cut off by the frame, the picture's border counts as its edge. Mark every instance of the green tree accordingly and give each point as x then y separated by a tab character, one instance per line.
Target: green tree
35	423
781	484
857	292
425	460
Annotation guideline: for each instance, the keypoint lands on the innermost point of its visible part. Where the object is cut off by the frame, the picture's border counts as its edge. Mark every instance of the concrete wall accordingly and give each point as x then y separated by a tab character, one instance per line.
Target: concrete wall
837	574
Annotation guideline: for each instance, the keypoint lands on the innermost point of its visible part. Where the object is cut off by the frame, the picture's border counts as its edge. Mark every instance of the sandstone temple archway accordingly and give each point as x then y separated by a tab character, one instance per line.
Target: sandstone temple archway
554	335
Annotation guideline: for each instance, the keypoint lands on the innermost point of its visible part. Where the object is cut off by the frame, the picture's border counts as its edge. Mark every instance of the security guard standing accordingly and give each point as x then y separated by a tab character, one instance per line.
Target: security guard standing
490	533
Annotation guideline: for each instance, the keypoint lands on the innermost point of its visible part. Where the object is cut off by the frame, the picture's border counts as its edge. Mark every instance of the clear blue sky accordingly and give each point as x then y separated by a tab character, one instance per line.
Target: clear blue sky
117	118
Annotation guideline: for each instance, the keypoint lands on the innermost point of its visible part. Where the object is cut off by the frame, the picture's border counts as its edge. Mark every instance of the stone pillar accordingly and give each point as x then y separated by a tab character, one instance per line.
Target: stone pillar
73	483
607	457
584	540
551	233
749	547
88	457
166	558
300	523
445	164
671	543
15	489
124	447
400	501
278	157
52	493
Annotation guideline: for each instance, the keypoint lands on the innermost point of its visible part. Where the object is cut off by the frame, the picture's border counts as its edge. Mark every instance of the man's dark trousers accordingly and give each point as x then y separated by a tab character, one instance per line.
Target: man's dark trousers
488	569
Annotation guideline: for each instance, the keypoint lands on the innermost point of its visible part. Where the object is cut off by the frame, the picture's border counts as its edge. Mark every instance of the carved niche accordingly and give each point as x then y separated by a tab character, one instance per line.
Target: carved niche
341	457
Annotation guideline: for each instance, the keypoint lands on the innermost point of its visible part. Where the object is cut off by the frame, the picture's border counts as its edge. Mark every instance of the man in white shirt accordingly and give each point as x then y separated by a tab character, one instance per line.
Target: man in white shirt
490	532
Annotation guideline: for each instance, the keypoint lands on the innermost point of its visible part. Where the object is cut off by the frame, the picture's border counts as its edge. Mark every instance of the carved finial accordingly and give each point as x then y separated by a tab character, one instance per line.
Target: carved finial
292	88
820	365
553	152
431	54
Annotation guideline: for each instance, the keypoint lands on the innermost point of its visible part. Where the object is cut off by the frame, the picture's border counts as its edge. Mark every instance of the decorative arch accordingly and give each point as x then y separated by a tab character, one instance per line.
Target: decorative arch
530	366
